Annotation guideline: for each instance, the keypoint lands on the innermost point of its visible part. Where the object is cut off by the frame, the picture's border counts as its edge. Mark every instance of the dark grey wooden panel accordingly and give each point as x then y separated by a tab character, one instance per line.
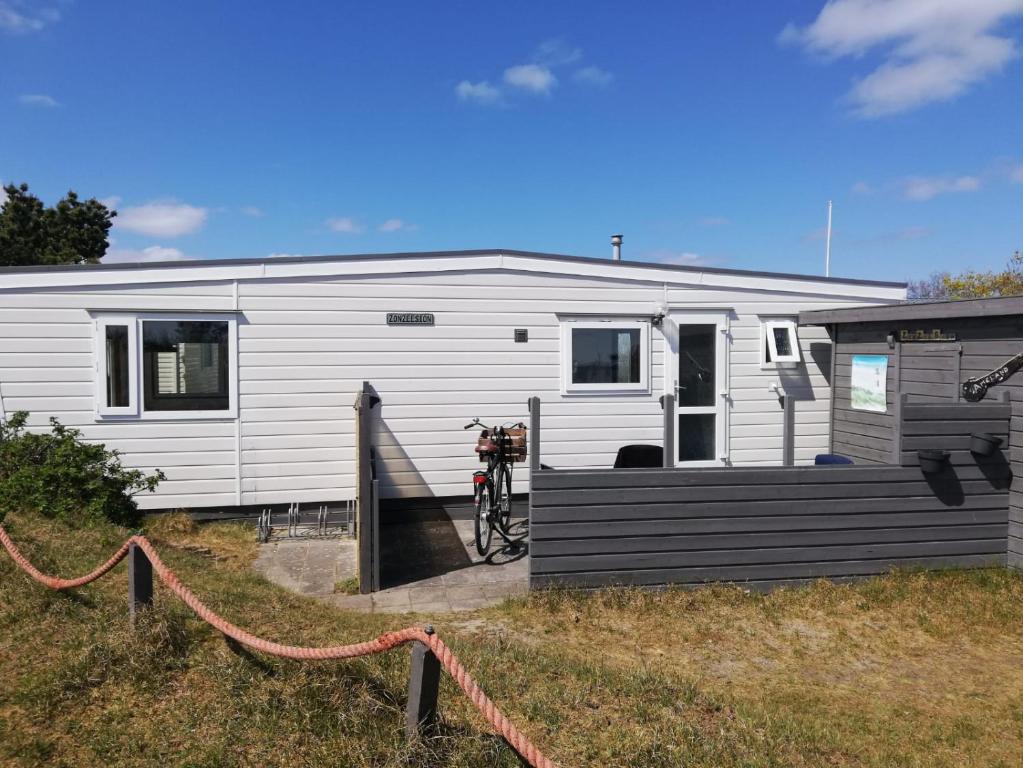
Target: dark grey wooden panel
864	417
758	476
641	546
786	555
936	376
756	573
890	516
917	499
958	459
861	455
946	484
963	412
875	443
950	441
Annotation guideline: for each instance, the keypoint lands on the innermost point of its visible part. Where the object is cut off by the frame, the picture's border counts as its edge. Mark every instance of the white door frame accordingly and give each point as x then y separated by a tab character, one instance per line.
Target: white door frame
722	404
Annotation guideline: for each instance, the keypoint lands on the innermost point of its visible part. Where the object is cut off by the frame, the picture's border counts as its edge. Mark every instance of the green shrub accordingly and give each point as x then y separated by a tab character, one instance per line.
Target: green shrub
58	475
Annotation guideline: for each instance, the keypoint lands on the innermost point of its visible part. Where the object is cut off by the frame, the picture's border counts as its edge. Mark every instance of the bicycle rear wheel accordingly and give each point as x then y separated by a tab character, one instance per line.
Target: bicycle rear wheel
504	500
481	519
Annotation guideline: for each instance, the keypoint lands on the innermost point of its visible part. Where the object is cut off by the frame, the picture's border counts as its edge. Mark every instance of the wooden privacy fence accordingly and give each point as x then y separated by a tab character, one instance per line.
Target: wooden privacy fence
770	525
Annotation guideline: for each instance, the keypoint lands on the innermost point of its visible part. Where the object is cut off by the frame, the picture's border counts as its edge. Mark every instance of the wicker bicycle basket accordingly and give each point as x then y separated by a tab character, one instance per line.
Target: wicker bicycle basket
514	444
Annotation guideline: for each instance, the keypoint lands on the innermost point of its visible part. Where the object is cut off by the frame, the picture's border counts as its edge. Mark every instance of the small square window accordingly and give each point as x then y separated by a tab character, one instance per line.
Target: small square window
780	342
605	356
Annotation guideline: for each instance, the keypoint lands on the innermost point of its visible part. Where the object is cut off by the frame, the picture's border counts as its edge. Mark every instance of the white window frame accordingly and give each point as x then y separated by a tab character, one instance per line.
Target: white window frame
102	323
137	410
769	344
568	387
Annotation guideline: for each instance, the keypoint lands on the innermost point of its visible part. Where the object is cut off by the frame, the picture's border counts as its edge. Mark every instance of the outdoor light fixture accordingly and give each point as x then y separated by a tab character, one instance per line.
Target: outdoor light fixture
660	312
890	338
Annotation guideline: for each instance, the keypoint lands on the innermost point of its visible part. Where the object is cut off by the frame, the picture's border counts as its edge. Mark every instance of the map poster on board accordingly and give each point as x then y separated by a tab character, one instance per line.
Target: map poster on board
869	383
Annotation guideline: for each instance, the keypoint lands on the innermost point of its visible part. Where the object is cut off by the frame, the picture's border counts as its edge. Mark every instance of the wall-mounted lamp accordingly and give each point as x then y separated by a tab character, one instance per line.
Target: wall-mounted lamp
890	338
660	312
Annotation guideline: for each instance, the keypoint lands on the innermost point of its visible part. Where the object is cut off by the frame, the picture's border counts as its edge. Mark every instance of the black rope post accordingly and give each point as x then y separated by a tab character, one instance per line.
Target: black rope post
140	581
423	687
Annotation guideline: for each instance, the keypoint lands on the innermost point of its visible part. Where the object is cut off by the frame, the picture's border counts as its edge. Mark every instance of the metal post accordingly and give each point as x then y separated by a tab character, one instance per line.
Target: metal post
788	430
423	686
534	434
140	581
668	404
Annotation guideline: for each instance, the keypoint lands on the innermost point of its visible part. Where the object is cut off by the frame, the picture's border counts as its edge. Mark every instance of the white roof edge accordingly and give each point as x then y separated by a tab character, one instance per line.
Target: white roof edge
270	269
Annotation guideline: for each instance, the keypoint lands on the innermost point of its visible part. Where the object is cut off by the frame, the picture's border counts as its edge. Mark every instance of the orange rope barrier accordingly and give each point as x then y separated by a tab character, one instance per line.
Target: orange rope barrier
385	642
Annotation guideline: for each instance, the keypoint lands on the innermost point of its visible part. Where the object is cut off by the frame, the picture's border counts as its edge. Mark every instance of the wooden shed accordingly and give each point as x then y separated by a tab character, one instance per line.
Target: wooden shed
943	352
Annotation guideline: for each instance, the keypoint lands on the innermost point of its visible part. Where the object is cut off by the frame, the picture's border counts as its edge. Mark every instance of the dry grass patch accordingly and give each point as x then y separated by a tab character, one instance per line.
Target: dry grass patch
907	670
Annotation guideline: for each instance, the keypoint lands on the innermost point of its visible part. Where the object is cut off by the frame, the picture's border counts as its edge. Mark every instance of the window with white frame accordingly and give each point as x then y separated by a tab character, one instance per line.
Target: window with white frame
166	366
605	356
779	342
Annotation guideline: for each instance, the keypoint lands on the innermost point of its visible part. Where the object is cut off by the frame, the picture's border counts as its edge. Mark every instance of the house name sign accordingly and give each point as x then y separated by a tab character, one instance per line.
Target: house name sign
410	318
933	335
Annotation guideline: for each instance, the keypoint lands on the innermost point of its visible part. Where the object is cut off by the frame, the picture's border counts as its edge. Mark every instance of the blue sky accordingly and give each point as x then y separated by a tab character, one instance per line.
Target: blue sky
708	133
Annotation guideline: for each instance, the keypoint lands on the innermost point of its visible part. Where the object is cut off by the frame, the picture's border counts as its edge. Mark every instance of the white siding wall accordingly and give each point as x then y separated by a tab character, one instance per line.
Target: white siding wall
47	368
306	345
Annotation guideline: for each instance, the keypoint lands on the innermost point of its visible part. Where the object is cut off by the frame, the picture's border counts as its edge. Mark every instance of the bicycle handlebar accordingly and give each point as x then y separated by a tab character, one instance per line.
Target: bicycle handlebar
477	423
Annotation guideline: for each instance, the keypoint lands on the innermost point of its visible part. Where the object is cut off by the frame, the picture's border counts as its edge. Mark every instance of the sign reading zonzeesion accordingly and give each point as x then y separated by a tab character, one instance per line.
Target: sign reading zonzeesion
410	318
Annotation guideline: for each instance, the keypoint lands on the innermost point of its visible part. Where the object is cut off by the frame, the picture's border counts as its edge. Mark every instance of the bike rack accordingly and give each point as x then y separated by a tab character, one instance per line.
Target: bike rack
290	524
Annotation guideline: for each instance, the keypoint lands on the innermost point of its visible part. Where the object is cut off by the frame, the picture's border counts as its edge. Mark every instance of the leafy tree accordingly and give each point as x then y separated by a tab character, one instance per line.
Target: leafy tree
977	285
71	232
932	287
59	476
971	284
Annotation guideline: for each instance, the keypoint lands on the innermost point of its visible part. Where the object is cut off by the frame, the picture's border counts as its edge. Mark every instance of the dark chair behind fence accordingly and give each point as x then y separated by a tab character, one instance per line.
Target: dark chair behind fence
823	459
639	457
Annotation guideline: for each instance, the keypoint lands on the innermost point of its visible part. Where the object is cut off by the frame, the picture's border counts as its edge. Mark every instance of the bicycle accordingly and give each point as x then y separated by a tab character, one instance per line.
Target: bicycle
500	447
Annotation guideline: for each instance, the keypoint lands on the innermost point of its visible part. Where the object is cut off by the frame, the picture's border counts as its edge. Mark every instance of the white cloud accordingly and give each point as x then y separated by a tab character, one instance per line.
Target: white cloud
285	255
1016	175
111	202
344	224
397	225
37	100
535	78
679	258
161	219
481	92
152	253
934	50
593	76
16	18
555	52
862	188
3	194
927	187
252	211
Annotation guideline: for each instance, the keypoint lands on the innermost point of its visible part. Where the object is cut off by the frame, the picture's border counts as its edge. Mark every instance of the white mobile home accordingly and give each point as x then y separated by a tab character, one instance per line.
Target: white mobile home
237	378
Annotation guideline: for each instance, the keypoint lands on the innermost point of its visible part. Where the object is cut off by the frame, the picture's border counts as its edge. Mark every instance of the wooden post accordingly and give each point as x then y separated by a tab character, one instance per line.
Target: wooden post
140	581
668	404
423	685
534	435
788	430
365	493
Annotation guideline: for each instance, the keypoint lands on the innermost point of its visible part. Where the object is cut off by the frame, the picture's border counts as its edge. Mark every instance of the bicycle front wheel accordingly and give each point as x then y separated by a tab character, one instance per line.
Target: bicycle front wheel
481	519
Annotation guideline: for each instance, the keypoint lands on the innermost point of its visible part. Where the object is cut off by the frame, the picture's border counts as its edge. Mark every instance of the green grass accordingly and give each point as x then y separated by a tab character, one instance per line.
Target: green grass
911	669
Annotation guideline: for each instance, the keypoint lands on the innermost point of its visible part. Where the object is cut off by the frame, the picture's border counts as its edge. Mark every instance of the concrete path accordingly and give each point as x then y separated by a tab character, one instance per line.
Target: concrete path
313	567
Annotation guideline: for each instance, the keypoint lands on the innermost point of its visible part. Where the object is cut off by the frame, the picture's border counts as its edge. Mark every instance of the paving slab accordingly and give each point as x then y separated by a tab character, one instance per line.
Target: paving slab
448	574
